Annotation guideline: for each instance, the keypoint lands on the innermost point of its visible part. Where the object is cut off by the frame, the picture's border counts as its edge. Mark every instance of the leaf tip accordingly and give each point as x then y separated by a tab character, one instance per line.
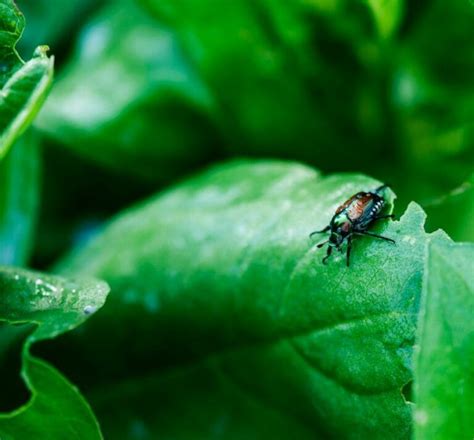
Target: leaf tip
415	215
41	51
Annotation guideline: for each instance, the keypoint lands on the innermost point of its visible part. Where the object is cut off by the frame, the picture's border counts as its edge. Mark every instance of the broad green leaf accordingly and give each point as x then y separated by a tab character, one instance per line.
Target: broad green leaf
19	194
387	15
55	410
279	83
218	292
454	212
444	372
201	401
130	99
314	81
23	85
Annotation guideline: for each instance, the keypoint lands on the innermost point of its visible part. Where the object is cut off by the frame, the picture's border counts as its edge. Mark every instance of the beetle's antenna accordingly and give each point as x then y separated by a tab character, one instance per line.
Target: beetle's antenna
319	232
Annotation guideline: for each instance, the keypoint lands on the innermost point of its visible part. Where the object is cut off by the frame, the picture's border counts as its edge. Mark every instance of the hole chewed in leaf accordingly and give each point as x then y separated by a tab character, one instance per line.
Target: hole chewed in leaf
407	392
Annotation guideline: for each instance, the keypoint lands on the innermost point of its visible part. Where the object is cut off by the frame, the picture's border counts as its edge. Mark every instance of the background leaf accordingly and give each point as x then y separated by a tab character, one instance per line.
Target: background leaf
55	305
216	285
270	69
454	212
19	199
434	102
57	26
106	108
342	85
387	15
444	374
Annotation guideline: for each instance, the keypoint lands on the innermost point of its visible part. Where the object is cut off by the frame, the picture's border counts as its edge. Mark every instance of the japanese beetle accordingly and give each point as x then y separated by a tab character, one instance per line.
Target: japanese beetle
354	217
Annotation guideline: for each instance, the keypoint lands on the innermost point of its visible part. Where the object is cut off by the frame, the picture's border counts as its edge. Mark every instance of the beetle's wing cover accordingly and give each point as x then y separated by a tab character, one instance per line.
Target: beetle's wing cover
363	210
348	202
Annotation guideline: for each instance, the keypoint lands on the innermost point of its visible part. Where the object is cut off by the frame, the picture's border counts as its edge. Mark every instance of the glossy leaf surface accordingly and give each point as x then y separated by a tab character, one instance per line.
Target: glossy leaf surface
53	305
228	293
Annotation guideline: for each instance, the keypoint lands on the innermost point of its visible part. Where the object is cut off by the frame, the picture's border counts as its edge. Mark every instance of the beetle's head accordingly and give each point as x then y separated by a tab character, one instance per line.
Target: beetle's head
335	239
339	232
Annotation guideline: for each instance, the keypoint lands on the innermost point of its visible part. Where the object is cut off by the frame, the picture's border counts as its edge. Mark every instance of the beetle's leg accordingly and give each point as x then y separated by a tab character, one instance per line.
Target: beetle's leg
370	234
349	248
328	254
392	216
320	232
320	245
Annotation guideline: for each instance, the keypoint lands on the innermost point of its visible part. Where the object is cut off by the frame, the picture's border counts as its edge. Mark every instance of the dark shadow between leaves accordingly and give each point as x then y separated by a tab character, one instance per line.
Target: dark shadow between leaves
407	392
14	392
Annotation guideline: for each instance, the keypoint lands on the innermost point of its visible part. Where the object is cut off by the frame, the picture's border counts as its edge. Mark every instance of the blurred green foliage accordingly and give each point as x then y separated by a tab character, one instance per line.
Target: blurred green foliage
155	88
222	323
128	98
54	22
454	212
20	187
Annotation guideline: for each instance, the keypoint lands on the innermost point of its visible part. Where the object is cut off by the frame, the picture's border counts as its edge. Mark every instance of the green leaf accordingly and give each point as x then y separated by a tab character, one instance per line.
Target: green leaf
129	96
312	81
24	85
454	212
444	372
434	102
54	305
287	75
219	293
387	15
19	196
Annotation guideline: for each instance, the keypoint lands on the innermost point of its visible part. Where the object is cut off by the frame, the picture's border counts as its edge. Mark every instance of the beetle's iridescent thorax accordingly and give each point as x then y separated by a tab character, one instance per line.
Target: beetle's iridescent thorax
341	226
